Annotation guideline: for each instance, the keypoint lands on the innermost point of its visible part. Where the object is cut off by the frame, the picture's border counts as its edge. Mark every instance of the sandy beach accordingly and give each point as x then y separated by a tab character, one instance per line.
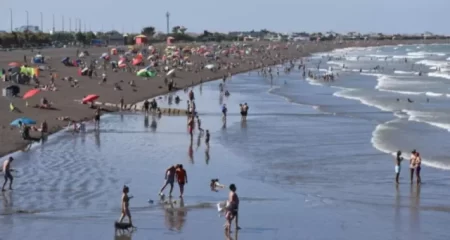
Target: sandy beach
63	99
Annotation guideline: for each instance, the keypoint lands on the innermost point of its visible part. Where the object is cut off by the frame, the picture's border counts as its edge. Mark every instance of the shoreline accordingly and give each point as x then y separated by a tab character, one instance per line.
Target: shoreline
307	50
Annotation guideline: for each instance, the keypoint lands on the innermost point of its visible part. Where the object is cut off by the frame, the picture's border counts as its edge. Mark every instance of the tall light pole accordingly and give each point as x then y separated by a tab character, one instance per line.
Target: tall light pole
27	21
62	23
53	23
42	22
11	15
70	24
76	24
168	22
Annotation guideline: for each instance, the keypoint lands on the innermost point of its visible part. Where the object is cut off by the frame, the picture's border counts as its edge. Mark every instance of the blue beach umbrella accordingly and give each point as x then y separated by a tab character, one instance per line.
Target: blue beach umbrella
27	121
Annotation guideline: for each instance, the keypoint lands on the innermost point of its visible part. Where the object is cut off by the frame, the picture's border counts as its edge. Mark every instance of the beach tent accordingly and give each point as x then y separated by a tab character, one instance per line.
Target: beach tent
90	98
38	59
145	73
13	90
24	120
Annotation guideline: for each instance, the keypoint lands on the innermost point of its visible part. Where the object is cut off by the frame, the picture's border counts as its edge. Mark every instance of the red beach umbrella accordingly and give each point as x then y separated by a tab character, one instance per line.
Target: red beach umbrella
14	64
90	98
31	93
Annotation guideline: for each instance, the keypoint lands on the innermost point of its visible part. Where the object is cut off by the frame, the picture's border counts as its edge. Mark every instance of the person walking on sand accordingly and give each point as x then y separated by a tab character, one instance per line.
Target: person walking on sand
398	161
181	176
412	164
232	208
418	163
126	205
7	171
224	112
170	179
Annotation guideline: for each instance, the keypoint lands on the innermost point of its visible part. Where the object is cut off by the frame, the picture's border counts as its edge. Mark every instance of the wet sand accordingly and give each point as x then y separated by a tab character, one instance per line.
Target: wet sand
64	99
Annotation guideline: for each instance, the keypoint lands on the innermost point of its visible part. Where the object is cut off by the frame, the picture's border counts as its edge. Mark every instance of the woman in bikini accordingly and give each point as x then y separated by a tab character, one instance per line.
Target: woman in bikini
125	205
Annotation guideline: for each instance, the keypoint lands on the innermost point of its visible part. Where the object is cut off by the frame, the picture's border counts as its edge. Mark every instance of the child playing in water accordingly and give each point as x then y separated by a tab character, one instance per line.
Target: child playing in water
125	205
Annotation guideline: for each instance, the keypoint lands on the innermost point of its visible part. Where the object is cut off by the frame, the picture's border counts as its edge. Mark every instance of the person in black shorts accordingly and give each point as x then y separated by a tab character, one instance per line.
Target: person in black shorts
146	106
207	138
7	171
97	118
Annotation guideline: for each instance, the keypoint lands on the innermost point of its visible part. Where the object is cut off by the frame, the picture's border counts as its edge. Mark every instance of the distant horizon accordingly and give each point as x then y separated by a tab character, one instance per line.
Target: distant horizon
191	32
388	17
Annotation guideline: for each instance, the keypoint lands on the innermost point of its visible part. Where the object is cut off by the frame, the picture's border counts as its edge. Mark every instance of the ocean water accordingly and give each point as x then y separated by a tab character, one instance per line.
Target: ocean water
313	160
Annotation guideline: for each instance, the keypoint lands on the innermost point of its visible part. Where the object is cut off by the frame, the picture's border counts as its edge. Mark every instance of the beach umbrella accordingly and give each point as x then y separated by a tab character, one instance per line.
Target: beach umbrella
90	98
14	64
171	72
24	120
31	93
209	66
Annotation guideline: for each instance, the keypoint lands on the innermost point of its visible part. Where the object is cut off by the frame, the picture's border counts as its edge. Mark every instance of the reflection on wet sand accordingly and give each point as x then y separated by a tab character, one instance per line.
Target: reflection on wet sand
415	209
97	139
207	156
146	122
175	216
231	235
123	236
191	152
397	207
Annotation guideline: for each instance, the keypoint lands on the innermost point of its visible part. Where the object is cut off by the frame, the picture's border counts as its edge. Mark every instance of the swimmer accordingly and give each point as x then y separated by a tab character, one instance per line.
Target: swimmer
224	112
125	205
398	161
7	171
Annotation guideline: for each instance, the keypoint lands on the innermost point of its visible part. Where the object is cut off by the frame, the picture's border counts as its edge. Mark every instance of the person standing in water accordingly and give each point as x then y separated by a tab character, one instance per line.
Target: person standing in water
224	112
181	176
199	124
191	126
232	209
207	139
170	179
97	118
412	164
245	110
7	171
126	205
418	163
398	161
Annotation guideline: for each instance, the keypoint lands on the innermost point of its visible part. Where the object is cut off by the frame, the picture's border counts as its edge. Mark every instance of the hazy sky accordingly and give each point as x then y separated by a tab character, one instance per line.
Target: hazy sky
393	16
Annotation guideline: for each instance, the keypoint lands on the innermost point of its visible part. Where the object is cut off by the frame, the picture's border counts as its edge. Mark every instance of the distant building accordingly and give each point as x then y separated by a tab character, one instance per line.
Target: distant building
30	28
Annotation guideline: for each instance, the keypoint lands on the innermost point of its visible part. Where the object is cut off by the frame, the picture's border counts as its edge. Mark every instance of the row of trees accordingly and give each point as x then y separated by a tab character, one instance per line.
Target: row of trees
30	39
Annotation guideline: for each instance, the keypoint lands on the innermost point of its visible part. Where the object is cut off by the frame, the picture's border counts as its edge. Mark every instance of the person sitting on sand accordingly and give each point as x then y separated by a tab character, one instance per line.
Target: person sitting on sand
63	118
44	103
13	108
215	185
126	205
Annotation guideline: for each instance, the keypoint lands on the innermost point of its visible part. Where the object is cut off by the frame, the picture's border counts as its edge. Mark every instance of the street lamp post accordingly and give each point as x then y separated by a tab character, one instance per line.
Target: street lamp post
70	24
11	15
53	23
62	23
42	22
27	21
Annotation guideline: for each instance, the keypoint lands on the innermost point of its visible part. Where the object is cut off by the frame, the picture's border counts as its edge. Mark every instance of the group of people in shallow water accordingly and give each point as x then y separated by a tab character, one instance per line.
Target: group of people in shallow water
177	173
415	163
